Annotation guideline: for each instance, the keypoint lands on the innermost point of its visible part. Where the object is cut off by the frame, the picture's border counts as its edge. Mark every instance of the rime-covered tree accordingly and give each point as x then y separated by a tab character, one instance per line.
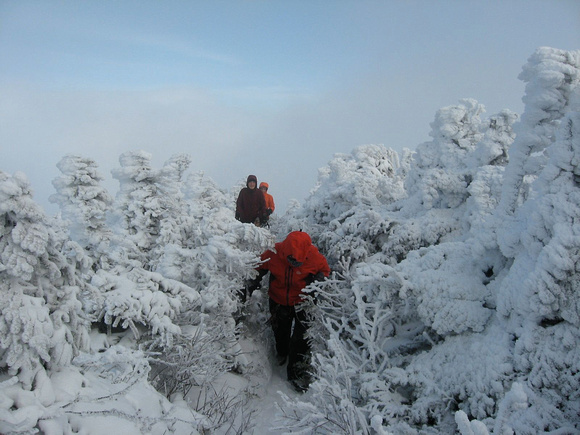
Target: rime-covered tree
453	307
42	322
50	296
85	204
451	274
345	212
367	177
498	137
439	176
214	245
489	160
452	279
539	298
551	76
181	313
424	280
138	206
437	182
174	220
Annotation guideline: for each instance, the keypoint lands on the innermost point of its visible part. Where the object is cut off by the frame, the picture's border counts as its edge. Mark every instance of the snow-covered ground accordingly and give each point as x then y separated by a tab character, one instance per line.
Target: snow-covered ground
263	379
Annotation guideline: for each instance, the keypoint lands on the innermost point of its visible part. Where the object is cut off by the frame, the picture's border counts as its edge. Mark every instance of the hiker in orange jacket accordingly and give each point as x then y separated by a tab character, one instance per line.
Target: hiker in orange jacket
269	198
293	264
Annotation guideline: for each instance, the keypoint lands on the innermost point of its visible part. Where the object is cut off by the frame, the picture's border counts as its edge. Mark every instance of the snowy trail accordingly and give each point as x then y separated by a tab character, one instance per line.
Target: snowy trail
266	380
267	417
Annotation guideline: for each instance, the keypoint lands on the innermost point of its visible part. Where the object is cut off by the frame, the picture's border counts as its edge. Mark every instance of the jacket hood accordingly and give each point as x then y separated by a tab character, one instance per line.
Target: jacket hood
296	244
251	178
263	184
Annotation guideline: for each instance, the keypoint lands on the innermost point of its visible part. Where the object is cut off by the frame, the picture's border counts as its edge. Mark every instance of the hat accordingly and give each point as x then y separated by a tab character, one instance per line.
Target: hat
263	184
251	178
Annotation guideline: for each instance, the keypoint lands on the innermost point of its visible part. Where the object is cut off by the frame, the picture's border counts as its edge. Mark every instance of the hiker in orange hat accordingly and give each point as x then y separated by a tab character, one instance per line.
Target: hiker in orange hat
269	199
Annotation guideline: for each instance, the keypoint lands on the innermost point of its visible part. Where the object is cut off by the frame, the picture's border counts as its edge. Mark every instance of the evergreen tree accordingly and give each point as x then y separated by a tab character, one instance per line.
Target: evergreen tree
174	220
344	214
138	206
539	296
42	322
453	304
85	204
437	182
479	308
439	177
551	77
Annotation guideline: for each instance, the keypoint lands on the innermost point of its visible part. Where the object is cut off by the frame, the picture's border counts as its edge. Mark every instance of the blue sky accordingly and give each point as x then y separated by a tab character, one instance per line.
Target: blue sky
273	88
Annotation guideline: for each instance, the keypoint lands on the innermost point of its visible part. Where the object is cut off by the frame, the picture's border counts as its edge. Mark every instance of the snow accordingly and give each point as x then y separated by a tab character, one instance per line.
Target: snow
453	306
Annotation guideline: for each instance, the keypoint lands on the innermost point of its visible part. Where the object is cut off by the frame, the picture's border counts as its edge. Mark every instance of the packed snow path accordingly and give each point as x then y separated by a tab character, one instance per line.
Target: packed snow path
262	379
270	382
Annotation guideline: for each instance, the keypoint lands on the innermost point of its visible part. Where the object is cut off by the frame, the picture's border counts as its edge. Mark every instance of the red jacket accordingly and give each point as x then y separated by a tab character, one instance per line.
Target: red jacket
287	282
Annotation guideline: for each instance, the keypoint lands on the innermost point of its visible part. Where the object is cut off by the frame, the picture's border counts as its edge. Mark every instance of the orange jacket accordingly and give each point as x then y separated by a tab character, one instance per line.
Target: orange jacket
269	201
287	282
269	198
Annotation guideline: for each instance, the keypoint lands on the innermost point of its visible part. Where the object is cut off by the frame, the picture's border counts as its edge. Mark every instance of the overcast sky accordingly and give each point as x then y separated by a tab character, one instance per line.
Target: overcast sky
271	88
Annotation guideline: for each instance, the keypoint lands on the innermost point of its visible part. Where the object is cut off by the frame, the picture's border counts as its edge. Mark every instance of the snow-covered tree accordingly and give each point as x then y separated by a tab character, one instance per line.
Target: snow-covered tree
175	218
498	137
42	286
85	204
552	77
539	297
439	175
437	182
367	177
345	213
138	206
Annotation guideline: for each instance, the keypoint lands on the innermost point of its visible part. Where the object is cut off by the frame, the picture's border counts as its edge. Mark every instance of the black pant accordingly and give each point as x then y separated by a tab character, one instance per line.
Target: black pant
291	342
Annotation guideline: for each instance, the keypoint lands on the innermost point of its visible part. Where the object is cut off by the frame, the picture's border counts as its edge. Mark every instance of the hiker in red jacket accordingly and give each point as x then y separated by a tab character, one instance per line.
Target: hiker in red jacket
251	205
293	264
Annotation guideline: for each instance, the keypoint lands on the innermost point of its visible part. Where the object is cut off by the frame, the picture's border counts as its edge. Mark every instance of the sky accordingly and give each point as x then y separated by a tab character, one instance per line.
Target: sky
264	87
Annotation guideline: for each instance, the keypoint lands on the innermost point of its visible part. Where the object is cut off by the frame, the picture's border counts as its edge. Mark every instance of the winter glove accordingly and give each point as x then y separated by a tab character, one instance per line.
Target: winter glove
237	216
247	290
253	285
269	211
314	277
319	277
250	286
